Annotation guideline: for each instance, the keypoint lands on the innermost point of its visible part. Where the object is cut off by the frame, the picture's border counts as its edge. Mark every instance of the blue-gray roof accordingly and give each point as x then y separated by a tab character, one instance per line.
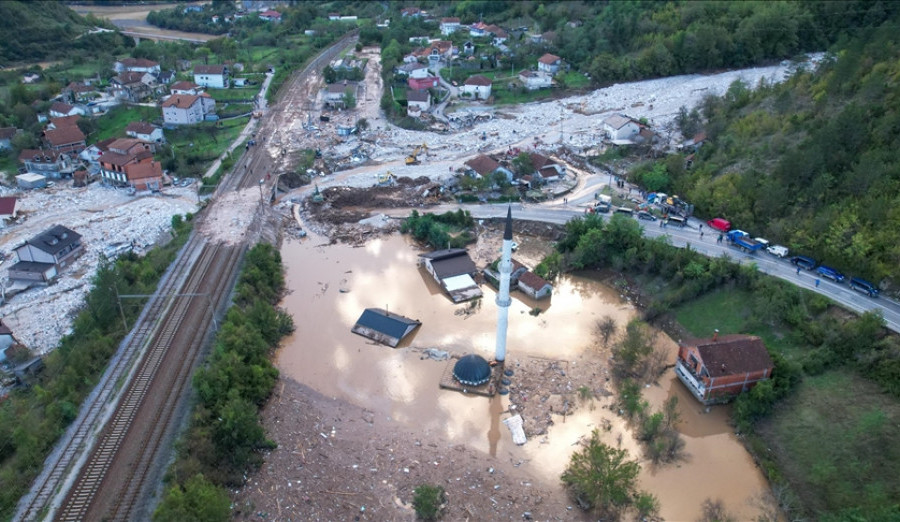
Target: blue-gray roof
384	326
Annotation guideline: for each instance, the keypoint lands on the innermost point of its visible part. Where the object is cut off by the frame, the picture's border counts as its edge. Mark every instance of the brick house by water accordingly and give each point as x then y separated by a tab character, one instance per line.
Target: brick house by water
719	369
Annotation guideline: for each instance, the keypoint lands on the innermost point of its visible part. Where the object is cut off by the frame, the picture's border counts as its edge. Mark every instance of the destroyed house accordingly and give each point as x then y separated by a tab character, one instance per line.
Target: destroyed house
383	326
41	257
454	270
718	369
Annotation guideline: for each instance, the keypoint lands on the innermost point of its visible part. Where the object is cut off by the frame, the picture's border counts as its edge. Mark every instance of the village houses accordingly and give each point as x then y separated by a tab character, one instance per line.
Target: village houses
185	87
533	80
41	257
549	63
47	163
145	132
187	109
477	86
449	25
214	76
335	93
417	102
59	109
718	369
619	127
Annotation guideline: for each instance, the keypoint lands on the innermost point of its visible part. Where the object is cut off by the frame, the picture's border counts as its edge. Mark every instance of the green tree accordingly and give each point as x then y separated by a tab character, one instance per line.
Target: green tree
329	74
601	478
349	99
522	164
428	501
200	500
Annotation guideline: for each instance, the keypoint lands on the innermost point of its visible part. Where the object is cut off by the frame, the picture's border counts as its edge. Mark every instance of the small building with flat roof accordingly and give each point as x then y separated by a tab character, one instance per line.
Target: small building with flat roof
455	271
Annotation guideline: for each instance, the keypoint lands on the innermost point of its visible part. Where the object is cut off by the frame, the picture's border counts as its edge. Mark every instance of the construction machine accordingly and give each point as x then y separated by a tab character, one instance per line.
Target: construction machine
413	159
386	179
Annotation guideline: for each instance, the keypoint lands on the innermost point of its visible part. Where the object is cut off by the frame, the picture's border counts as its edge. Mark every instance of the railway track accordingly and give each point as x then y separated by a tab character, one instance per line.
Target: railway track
130	442
97	406
112	467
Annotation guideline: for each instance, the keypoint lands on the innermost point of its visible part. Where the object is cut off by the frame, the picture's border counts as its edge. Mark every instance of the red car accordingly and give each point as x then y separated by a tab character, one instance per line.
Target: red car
719	224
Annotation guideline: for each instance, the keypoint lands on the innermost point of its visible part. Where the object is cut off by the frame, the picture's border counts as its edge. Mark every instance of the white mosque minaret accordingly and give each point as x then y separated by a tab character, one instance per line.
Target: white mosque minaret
503	300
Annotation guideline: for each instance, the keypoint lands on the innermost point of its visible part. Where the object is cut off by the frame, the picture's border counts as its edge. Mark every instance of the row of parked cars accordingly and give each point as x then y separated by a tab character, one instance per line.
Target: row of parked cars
856	283
740	238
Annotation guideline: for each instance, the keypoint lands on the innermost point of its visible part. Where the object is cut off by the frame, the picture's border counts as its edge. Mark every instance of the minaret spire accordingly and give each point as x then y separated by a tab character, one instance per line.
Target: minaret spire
503	300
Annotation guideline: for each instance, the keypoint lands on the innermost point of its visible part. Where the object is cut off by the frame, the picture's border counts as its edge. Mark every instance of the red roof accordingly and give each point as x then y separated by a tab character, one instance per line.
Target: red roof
549	59
138	62
62	108
7	133
129	77
734	354
183	86
65	121
478	80
532	280
41	156
209	69
150	169
270	14
64	135
450	20
181	101
483	165
7	205
140	127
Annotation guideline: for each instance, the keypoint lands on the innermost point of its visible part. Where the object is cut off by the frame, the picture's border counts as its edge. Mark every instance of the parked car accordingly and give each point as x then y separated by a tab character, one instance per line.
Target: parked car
778	251
676	221
830	273
861	285
646	216
625	210
804	262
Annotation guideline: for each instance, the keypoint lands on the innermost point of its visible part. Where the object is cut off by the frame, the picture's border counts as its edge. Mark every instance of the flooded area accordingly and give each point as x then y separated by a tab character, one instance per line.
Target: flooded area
329	287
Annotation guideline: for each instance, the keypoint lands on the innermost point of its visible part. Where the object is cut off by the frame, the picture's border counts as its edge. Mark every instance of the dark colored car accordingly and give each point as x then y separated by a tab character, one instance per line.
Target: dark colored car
804	262
830	273
861	285
643	214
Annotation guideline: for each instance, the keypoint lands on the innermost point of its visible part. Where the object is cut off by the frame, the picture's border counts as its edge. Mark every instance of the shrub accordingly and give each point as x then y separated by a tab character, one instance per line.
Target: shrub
428	501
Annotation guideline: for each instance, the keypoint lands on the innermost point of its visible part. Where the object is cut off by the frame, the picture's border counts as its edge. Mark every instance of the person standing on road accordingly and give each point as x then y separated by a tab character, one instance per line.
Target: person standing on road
798	270
817	282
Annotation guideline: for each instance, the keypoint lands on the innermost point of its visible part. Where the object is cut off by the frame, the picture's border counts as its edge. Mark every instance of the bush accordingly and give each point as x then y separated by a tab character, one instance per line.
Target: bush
428	501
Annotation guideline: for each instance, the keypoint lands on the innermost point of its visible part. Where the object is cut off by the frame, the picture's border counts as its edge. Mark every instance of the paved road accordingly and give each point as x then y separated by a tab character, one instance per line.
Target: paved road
690	235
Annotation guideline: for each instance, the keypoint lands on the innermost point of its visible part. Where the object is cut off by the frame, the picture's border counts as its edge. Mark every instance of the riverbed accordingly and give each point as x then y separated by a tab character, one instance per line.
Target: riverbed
330	286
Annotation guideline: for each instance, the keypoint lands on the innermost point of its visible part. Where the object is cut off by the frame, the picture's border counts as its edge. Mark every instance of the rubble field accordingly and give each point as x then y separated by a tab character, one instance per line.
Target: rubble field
40	316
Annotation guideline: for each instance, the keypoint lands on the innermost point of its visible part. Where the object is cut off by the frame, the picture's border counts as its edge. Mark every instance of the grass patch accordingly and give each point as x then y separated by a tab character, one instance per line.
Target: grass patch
504	96
235	93
730	310
834	441
209	139
575	80
113	123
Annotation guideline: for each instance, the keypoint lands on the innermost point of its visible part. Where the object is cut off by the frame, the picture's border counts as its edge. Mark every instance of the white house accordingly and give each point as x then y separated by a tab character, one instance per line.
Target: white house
136	65
478	86
60	109
271	15
533	80
44	254
620	127
449	25
534	286
414	70
549	63
145	131
215	76
187	109
418	101
185	87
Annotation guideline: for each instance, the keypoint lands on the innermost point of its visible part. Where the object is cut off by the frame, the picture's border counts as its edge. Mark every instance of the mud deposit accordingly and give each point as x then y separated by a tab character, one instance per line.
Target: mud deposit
360	425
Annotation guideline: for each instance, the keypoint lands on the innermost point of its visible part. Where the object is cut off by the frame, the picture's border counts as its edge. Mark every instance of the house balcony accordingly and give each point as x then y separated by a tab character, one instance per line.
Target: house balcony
697	388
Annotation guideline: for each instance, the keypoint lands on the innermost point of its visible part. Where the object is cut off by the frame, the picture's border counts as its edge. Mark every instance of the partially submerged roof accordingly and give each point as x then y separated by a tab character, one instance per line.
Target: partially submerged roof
383	326
450	262
733	354
532	280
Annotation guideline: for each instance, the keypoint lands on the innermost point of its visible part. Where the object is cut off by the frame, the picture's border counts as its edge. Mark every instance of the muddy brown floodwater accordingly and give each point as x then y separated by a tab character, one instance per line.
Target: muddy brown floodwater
330	286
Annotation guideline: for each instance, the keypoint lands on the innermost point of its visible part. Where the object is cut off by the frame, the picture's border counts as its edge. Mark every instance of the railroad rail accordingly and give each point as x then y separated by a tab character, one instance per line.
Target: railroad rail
130	442
97	406
112	465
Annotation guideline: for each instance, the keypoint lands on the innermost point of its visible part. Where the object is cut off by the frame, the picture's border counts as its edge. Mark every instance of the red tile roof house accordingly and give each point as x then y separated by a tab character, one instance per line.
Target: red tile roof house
420	84
549	63
483	165
65	139
534	286
719	369
478	86
46	162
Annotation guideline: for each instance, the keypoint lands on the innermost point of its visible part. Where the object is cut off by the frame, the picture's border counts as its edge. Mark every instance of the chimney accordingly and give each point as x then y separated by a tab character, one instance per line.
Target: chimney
715	334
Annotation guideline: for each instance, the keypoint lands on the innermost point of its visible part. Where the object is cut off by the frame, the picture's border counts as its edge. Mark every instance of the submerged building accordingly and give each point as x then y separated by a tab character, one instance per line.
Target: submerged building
719	369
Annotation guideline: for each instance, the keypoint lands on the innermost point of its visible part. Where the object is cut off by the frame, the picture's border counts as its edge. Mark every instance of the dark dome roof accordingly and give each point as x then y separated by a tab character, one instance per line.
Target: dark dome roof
472	370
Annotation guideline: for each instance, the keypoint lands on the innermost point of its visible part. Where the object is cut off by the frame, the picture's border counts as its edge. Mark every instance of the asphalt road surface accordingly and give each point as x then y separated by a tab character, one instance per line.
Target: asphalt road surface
690	235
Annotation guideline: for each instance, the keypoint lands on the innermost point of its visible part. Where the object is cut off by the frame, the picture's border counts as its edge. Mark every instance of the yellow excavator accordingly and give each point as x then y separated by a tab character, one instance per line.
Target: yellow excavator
413	159
386	179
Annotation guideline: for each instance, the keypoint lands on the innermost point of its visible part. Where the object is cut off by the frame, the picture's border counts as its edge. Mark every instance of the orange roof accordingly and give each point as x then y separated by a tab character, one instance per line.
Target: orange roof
181	101
549	59
64	135
150	169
